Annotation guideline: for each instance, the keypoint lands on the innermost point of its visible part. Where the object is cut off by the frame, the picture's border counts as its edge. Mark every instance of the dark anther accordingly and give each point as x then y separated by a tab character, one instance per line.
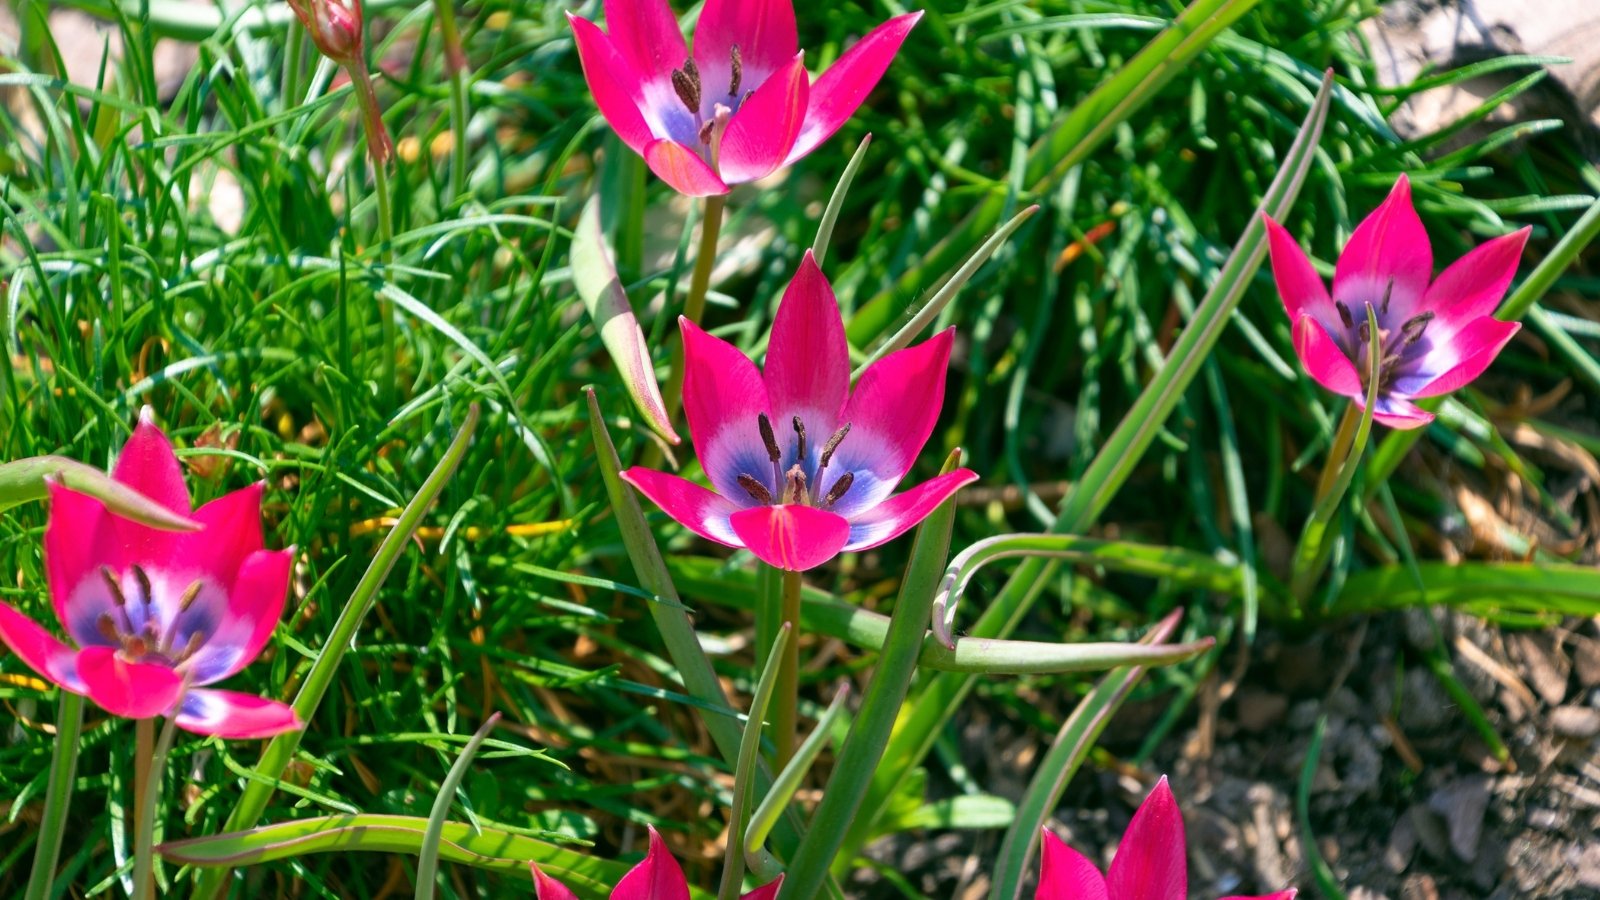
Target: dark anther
686	81
114	586
189	595
196	641
757	491
833	444
1412	331
768	438
1344	314
107	627
800	430
839	489
146	595
1365	331
738	70
794	490
1383	308
706	130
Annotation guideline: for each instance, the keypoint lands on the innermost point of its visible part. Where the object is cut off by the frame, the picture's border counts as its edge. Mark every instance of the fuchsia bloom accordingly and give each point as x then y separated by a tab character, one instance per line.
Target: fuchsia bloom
657	877
742	106
157	612
1151	862
804	466
1434	337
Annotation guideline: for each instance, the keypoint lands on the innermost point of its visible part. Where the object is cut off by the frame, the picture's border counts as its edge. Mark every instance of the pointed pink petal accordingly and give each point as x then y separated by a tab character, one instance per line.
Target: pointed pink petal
1390	244
896	515
39	650
1472	286
232	532
235	716
791	537
808	358
1324	360
839	91
1281	895
77	541
646	34
891	414
547	888
683	169
657	877
723	397
689	504
767	891
1299	284
613	82
254	607
763	30
1468	353
133	690
1065	874
763	131
148	465
1151	863
1397	412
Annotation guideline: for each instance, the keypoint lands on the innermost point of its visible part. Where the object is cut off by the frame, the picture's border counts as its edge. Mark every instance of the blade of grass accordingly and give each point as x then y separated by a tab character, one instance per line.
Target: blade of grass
744	773
428	853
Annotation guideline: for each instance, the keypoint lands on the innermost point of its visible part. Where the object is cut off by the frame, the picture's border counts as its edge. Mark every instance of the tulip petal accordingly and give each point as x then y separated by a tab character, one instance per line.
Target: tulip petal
77	541
133	690
807	372
646	33
616	87
839	91
764	32
1150	863
1397	412
547	888
790	536
724	398
891	413
898	514
254	607
657	877
1065	874
1471	287
683	169
1468	353
148	465
232	532
235	716
763	131
767	891
689	504
1323	360
39	650
1298	283
1389	245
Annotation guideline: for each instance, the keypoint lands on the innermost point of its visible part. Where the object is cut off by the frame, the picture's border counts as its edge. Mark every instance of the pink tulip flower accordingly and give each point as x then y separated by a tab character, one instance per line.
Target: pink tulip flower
657	877
1151	862
741	106
155	614
803	466
1434	337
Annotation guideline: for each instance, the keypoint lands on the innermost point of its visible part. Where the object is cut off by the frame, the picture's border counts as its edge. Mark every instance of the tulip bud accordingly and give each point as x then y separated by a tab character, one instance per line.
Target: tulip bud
334	26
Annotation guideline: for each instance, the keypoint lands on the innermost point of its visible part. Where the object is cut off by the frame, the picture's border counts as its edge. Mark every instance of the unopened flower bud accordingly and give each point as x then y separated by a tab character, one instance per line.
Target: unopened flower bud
334	26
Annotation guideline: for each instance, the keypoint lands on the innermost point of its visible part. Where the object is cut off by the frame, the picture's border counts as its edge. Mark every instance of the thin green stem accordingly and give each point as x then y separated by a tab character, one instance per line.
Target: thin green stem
144	845
1339	450
58	796
293	60
694	305
455	61
380	150
786	714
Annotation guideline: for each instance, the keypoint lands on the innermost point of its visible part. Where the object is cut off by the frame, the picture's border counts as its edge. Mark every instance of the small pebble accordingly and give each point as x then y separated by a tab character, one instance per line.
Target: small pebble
1581	722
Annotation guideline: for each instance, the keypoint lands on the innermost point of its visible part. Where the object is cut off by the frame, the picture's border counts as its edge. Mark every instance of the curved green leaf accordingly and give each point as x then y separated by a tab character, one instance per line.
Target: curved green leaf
24	480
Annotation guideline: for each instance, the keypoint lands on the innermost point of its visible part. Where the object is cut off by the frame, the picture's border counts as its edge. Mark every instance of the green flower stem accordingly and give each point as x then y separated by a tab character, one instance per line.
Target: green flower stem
58	795
455	61
891	678
379	150
694	305
786	716
1338	450
152	772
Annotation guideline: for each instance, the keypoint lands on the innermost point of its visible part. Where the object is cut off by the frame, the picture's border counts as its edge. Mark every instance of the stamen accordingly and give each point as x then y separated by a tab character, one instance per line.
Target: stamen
1365	332
134	646
757	491
737	66
107	627
1383	308
196	641
114	586
1412	331
832	445
686	82
795	487
800	429
189	595
839	489
146	594
1344	314
769	438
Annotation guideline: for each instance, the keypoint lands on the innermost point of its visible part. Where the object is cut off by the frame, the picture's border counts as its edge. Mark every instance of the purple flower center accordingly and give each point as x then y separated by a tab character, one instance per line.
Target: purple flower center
135	624
794	486
690	88
1400	349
